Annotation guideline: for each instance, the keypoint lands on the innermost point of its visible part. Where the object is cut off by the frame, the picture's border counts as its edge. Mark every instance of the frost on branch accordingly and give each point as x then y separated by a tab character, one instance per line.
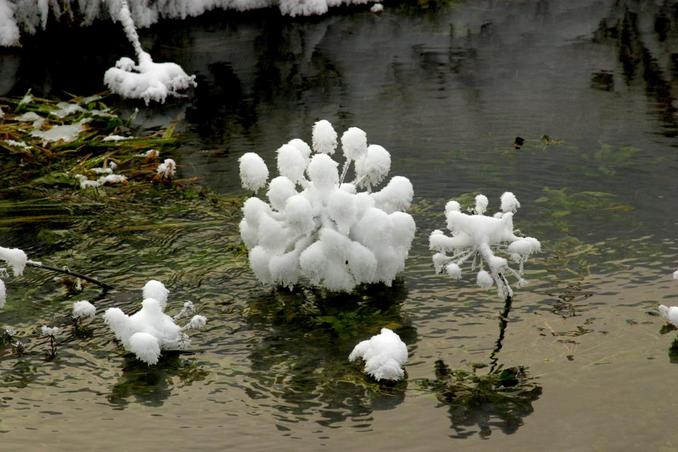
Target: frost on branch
150	330
314	229
146	80
476	237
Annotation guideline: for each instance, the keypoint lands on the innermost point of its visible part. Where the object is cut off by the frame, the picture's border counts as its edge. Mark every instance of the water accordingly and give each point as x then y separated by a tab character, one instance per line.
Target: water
446	91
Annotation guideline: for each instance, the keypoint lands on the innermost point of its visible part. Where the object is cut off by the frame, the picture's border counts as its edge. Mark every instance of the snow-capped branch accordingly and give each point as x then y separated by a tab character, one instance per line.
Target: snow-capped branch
477	237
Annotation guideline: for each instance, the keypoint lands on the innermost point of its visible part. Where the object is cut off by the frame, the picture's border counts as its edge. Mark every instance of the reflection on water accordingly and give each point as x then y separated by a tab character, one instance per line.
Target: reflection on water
589	85
302	356
152	385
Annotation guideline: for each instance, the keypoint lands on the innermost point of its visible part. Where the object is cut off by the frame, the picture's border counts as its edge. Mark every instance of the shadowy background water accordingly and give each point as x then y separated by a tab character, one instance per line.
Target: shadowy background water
446	89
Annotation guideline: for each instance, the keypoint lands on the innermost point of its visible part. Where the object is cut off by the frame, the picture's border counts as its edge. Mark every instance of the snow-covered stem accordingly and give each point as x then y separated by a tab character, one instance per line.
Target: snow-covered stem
480	236
65	271
503	323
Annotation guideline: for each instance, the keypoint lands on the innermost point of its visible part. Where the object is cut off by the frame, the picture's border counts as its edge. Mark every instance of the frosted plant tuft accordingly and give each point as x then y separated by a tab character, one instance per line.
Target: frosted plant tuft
83	310
476	237
384	354
316	230
150	331
146	80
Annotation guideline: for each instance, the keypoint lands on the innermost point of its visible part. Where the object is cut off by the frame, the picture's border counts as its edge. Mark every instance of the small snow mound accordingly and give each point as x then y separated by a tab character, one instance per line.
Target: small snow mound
384	354
377	8
83	309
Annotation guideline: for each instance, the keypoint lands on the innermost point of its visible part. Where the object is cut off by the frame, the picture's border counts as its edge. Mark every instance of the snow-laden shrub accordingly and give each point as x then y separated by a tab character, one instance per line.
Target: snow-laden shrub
476	237
314	229
384	354
16	259
146	80
150	330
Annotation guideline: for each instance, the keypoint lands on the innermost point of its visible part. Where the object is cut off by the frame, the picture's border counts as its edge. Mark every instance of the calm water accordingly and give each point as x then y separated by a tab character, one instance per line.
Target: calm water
446	91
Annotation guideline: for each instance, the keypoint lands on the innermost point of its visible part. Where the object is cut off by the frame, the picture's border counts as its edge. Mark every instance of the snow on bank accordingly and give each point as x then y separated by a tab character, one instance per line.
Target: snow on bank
32	15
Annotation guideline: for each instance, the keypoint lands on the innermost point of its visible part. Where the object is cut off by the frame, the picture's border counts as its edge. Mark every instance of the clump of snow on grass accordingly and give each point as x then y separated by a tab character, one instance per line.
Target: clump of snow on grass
17	144
146	80
166	169
384	354
66	109
33	117
65	133
675	275
109	179
476	237
377	8
116	138
315	230
83	309
150	330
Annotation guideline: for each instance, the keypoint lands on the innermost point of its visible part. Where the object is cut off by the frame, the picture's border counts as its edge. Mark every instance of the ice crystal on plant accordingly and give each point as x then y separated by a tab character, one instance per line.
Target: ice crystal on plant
316	230
476	237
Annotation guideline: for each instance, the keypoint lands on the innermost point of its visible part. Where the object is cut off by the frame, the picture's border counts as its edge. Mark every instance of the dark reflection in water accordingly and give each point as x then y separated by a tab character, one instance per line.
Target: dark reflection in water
302	357
153	385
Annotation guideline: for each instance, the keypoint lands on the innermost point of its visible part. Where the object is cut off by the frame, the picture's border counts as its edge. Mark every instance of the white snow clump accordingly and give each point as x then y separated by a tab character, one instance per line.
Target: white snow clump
17	260
146	80
377	8
384	354
669	313
477	236
47	331
675	275
150	330
167	169
83	309
316	230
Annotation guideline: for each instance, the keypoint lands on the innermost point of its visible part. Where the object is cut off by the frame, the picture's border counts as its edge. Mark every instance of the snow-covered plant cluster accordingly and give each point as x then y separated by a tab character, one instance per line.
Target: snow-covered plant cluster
384	354
26	16
476	237
146	80
314	229
16	259
150	331
106	177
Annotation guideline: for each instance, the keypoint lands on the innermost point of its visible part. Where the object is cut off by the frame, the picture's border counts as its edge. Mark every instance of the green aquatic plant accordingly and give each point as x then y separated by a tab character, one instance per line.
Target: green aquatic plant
503	394
607	160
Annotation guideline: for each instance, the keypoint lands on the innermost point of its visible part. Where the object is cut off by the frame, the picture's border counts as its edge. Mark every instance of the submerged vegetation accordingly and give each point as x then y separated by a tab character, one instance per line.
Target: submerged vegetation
501	398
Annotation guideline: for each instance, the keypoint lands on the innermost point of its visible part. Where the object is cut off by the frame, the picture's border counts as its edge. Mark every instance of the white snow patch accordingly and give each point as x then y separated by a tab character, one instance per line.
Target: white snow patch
83	309
384	354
